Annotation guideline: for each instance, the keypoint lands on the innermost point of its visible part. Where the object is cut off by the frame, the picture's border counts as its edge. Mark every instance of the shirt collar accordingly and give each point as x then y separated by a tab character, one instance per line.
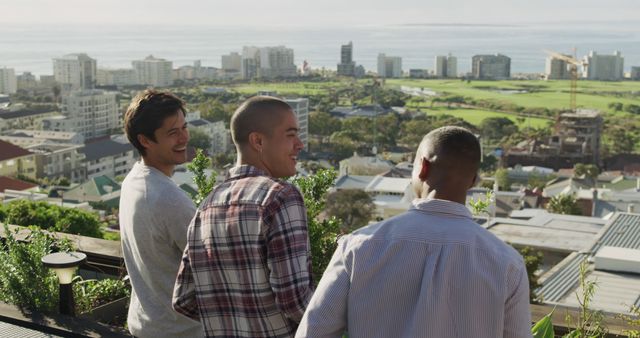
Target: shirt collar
437	206
245	170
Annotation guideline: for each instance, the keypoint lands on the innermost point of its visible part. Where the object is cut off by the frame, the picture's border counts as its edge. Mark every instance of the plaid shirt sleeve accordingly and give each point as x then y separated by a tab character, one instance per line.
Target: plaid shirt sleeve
288	253
184	292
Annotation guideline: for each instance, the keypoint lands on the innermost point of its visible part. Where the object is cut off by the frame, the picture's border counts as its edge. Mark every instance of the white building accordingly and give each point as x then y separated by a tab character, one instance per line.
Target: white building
267	62
25	137
491	67
249	62
220	135
92	113
109	157
389	66
8	83
604	67
300	107
153	71
446	66
75	71
556	69
59	160
116	77
276	62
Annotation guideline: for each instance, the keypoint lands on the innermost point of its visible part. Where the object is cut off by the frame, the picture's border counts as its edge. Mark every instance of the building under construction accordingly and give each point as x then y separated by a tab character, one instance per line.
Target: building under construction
576	140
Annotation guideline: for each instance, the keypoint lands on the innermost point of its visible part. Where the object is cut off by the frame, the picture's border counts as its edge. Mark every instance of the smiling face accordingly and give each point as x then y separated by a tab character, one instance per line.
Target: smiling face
170	145
280	147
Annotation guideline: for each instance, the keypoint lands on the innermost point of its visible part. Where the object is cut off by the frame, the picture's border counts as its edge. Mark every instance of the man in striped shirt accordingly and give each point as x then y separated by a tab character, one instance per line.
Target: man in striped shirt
430	272
246	271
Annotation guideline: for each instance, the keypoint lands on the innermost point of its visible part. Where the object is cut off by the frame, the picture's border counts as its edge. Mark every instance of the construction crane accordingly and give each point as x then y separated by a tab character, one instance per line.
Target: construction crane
573	71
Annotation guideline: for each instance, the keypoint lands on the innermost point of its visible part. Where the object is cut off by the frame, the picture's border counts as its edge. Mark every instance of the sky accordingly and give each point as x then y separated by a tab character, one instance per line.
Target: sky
335	13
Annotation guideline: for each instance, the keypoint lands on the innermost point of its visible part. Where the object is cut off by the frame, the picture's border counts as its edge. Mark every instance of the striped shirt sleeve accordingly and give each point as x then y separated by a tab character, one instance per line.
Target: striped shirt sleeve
326	315
288	252
517	315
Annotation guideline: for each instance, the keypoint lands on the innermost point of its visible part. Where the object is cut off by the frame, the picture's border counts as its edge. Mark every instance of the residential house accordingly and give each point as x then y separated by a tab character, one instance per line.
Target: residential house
109	157
16	161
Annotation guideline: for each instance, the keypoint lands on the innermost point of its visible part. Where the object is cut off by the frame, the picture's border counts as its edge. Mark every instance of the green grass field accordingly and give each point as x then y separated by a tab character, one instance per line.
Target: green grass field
283	88
475	116
547	94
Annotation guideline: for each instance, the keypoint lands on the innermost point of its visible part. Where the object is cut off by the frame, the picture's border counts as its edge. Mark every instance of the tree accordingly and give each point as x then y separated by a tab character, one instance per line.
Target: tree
203	183
532	261
622	140
502	177
354	207
564	204
323	234
496	128
616	106
321	123
199	139
589	171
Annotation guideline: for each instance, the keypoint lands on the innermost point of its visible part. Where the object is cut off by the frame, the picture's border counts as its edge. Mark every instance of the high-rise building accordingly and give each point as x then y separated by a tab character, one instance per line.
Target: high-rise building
446	66
249	62
153	71
300	107
231	62
603	67
267	62
26	80
276	62
347	67
75	71
92	113
635	73
116	77
557	69
8	84
389	66
491	67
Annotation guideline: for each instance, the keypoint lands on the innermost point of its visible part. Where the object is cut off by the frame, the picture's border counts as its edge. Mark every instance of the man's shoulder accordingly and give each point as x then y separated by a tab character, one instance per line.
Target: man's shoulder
259	190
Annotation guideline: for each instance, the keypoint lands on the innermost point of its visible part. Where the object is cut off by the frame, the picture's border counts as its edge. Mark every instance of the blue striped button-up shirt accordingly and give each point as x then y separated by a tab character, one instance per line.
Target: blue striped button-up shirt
430	272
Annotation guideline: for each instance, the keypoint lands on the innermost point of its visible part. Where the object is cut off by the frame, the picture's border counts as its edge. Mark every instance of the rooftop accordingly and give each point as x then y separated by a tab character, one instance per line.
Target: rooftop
103	148
9	151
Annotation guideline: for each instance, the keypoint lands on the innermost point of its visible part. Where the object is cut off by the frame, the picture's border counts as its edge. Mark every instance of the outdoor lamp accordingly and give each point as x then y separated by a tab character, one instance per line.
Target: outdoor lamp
64	264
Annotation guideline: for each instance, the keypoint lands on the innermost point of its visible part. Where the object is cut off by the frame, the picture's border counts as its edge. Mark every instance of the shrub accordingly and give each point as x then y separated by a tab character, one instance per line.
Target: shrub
24	280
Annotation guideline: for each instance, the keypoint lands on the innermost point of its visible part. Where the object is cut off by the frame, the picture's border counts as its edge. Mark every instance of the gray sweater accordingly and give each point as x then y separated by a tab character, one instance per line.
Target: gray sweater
154	215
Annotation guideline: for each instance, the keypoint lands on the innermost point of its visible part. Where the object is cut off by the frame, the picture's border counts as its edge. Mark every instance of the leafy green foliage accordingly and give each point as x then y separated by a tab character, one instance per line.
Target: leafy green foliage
633	321
532	261
481	206
353	207
502	177
496	128
323	233
52	217
205	184
543	328
564	204
199	139
590	322
92	293
24	280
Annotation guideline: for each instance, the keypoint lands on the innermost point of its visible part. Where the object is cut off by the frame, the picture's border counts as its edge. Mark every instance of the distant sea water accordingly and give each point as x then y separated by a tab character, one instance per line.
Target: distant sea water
32	47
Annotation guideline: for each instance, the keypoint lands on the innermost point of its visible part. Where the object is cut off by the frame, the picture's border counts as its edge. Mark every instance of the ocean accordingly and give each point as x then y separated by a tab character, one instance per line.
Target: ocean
32	47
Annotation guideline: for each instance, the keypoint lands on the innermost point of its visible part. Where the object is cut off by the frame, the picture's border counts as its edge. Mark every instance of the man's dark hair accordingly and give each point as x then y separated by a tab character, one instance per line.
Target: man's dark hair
257	114
147	112
455	147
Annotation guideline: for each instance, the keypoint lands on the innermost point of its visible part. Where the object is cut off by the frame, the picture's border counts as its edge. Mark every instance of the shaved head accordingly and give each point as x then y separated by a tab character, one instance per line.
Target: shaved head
258	114
452	155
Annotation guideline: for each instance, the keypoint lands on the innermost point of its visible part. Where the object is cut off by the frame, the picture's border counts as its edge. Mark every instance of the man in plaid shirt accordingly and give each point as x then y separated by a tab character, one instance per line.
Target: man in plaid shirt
246	270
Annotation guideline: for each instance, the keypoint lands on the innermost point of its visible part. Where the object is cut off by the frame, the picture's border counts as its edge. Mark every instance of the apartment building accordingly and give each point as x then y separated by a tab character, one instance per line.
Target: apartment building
491	67
446	66
8	83
153	71
300	107
389	66
75	71
603	67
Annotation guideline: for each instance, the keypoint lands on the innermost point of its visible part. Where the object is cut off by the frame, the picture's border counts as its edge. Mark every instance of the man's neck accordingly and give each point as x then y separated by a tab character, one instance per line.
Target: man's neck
447	196
165	169
247	160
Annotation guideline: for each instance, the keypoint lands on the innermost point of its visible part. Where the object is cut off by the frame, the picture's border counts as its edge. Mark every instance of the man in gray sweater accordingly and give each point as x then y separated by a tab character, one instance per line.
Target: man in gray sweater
154	215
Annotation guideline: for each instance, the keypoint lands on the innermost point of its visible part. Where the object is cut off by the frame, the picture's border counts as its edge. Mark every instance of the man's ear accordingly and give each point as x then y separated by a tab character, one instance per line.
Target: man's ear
475	181
255	140
425	165
144	141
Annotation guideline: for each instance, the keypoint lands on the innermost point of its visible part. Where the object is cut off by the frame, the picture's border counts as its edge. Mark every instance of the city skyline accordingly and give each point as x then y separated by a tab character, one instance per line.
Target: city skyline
307	13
